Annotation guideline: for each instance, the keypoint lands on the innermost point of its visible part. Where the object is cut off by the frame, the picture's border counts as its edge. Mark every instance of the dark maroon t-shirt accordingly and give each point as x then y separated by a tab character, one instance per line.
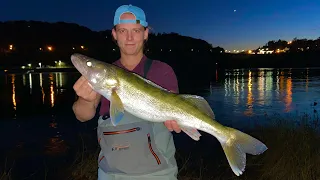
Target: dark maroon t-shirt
159	72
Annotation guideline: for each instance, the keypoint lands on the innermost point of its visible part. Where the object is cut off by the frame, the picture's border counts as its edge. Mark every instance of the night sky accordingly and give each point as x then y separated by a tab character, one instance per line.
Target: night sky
253	23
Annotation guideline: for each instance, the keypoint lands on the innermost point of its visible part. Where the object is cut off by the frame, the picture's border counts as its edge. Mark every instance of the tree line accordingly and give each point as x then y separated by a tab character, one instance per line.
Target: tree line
296	45
31	39
24	42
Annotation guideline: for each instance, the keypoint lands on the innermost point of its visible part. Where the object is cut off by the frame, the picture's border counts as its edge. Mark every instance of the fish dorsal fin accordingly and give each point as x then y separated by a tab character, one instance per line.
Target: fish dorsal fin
150	82
199	102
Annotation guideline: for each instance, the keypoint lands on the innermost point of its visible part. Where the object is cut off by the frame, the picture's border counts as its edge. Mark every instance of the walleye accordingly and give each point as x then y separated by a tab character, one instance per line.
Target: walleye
130	92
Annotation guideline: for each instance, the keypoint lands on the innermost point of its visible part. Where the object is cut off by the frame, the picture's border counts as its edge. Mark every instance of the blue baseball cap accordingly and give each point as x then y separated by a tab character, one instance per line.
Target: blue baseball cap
136	11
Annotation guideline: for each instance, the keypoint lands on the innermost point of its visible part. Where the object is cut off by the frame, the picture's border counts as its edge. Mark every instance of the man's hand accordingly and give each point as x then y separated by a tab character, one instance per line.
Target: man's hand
84	91
172	126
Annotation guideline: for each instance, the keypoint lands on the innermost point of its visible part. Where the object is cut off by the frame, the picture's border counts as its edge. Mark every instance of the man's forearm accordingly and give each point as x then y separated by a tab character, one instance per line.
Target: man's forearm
84	110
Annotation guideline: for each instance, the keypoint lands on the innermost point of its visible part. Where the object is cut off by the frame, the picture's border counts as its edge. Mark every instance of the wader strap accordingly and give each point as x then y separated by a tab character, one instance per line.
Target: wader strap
147	66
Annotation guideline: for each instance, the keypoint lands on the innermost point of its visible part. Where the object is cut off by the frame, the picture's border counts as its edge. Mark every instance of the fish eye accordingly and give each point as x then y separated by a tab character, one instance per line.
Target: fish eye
89	63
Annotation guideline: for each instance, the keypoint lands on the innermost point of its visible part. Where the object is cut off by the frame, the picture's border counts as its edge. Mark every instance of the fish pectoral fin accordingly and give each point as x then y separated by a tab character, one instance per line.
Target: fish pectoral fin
200	103
192	132
237	145
116	108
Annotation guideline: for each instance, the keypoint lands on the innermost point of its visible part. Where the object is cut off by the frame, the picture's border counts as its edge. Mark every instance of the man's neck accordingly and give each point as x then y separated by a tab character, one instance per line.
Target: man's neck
131	61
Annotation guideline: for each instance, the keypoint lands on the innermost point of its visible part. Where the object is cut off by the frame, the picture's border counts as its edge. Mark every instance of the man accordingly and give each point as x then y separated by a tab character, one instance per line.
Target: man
134	149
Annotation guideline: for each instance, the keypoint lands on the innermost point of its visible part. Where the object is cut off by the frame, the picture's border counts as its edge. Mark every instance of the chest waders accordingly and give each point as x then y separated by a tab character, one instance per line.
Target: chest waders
135	148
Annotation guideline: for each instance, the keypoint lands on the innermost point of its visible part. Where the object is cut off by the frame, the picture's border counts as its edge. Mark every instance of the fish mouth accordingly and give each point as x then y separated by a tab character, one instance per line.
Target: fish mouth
79	62
91	75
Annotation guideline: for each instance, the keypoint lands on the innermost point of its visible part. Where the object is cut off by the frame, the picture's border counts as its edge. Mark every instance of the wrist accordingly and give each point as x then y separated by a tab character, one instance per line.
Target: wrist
83	102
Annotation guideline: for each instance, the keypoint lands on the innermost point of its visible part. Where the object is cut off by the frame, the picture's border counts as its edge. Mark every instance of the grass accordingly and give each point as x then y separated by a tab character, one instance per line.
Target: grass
293	153
6	172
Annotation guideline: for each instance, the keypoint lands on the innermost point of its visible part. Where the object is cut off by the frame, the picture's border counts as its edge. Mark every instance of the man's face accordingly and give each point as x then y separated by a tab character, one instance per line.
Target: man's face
130	37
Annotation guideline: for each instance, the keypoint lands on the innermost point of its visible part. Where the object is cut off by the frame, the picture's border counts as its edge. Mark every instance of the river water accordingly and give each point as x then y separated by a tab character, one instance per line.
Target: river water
39	132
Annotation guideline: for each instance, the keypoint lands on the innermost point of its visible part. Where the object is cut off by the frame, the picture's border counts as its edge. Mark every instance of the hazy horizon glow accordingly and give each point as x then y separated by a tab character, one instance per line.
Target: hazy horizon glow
252	25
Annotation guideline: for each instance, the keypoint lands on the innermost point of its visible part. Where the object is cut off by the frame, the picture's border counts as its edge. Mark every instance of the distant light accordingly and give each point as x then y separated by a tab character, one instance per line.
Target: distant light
40	49
49	48
73	48
82	47
10	46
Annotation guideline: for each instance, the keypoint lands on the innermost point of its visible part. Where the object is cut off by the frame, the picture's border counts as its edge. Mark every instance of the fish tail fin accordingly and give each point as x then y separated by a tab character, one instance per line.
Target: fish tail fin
237	145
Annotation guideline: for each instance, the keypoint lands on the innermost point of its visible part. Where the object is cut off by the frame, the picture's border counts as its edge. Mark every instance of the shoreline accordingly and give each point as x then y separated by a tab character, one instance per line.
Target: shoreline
37	70
73	69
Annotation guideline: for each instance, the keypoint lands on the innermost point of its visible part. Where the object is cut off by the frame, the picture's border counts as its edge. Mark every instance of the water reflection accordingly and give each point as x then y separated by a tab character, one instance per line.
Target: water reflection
249	110
307	79
217	78
38	93
13	78
259	88
30	82
55	144
59	79
52	84
52	89
42	91
288	97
